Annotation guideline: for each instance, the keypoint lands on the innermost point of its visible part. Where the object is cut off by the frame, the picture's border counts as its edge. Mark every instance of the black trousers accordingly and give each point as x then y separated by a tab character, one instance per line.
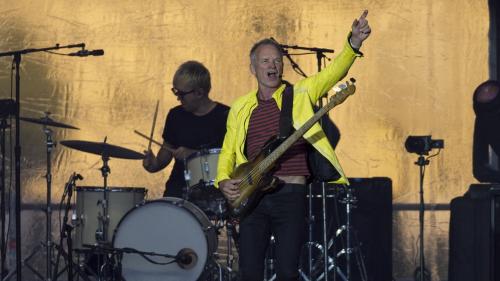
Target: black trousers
282	214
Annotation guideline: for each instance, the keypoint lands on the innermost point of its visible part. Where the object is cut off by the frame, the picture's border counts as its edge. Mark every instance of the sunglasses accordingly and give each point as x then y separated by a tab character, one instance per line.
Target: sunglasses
180	94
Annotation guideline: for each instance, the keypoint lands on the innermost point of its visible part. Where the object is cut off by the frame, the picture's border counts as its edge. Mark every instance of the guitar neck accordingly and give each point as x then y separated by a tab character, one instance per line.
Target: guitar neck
284	146
346	90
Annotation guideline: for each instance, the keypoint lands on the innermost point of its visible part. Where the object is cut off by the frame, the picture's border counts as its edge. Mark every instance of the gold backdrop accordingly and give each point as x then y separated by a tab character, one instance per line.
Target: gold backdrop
421	64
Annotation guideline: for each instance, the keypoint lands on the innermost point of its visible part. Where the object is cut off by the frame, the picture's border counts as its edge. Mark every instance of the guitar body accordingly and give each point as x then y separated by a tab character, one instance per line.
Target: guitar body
253	185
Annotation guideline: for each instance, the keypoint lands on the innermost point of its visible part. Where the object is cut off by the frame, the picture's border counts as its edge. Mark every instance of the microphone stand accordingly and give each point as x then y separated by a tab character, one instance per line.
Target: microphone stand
320	56
421	273
17	61
66	230
3	127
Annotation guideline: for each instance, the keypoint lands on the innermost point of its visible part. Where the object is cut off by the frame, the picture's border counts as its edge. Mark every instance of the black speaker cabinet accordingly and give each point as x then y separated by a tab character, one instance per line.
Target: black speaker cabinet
371	224
474	235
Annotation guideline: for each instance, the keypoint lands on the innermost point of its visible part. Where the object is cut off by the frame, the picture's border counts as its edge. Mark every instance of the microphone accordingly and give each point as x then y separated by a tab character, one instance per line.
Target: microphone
77	177
86	53
186	258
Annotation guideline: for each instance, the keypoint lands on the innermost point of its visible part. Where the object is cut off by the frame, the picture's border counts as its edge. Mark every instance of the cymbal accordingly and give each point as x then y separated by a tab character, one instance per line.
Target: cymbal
48	122
103	149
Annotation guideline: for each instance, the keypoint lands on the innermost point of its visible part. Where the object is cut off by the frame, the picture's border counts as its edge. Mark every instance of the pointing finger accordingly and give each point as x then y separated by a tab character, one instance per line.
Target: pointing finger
364	14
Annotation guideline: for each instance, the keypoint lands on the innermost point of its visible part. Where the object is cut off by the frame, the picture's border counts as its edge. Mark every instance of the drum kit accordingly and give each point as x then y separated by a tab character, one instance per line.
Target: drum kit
133	238
117	234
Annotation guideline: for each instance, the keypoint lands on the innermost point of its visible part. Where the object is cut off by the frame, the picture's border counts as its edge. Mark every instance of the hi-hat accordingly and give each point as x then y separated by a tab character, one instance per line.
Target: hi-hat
103	149
48	122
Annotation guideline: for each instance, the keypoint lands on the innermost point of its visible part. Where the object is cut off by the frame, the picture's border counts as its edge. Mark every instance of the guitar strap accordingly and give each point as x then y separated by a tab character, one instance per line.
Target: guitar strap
320	167
285	124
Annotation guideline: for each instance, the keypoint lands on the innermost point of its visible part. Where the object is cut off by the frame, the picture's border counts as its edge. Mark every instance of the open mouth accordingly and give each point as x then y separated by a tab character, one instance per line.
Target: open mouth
273	74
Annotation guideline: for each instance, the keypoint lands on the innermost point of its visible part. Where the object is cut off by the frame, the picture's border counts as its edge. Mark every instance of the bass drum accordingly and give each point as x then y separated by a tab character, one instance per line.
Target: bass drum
166	226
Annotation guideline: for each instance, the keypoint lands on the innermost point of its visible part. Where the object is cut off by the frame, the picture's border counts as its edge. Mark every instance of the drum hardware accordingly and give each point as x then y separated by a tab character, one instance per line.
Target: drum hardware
46	121
106	151
17	55
88	216
201	167
222	220
200	170
65	234
186	259
168	225
321	262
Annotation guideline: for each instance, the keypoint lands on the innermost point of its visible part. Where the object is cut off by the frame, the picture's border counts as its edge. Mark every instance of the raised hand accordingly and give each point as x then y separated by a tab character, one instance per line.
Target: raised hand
360	30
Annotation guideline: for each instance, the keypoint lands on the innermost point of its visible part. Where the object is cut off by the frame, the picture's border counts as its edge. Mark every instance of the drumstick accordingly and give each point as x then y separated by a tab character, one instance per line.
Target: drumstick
154	141
154	123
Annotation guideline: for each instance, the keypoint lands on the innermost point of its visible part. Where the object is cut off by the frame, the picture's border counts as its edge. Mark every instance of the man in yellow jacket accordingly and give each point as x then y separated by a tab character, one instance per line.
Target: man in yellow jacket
254	118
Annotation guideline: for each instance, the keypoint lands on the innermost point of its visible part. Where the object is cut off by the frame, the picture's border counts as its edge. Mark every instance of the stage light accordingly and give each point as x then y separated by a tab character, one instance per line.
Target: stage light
422	144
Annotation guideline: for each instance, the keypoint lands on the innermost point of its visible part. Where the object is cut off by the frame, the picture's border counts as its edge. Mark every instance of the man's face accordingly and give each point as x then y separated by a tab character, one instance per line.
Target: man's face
187	94
268	67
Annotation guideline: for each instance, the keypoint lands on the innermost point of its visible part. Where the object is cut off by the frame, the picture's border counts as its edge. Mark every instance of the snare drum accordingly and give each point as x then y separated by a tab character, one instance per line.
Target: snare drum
89	206
166	226
201	167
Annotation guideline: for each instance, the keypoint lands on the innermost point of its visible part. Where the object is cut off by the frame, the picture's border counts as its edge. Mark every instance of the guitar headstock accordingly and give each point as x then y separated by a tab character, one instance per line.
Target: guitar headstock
343	91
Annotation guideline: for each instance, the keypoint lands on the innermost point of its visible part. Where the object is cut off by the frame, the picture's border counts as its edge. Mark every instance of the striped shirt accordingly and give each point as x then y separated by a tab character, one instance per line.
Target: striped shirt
264	124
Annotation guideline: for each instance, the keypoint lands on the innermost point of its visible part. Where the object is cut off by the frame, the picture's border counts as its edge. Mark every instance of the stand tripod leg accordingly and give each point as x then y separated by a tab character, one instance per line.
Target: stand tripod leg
27	265
351	245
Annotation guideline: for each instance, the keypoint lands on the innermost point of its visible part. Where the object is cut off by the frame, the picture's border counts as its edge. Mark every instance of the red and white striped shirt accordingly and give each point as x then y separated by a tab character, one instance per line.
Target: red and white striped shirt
264	124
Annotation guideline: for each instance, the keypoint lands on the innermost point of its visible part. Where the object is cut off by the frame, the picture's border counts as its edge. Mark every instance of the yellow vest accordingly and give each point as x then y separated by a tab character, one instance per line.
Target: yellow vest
306	93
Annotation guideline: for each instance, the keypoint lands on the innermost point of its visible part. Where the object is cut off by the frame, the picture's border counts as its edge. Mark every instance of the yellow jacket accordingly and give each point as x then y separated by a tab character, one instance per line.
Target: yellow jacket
306	94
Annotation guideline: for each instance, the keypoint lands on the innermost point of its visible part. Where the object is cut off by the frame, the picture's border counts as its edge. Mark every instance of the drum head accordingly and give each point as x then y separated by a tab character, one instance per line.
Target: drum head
164	227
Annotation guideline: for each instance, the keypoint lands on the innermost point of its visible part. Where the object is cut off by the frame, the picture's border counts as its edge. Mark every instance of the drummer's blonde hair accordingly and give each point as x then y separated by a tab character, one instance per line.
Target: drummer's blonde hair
194	73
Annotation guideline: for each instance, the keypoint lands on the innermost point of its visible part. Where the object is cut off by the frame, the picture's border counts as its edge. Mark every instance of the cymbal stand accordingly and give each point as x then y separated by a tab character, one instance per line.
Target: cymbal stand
102	230
48	210
50	145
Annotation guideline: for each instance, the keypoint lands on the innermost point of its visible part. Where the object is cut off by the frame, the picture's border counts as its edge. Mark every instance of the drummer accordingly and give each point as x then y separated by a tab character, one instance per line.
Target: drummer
197	123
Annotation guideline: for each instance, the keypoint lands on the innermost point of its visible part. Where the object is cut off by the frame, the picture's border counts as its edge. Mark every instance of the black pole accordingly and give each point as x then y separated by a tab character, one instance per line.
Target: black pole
422	271
17	61
3	249
421	217
48	218
494	9
497	28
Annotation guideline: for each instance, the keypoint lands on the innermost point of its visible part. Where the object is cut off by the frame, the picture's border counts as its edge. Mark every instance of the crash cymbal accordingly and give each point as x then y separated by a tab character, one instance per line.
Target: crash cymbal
48	122
103	149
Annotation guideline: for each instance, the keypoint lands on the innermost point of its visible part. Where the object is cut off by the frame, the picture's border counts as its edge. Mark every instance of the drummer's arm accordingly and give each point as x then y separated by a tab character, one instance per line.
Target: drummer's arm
153	164
181	152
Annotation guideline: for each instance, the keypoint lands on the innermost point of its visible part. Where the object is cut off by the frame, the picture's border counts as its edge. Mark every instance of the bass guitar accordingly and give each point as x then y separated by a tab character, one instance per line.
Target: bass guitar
255	175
